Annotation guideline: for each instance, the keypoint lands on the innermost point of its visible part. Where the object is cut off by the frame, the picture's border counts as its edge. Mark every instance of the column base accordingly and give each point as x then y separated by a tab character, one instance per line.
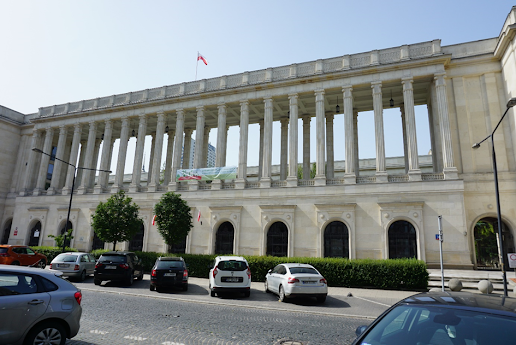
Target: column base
23	193
240	183
216	184
414	175
152	188
451	173
350	179
98	190
51	191
82	191
320	180
134	189
265	182
381	177
65	191
172	186
292	181
115	189
193	185
37	192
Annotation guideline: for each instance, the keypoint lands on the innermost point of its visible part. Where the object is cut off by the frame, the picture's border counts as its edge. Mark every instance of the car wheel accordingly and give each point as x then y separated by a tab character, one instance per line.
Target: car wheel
42	264
15	263
129	280
152	287
247	293
140	277
266	286
46	333
282	297
185	287
97	281
83	276
321	299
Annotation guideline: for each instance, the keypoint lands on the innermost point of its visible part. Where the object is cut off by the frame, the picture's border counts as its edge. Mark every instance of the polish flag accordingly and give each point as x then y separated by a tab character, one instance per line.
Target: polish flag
200	57
199	216
154	220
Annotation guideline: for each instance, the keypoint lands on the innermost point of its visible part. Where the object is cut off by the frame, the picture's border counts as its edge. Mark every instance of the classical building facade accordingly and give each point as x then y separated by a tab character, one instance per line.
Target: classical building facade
384	208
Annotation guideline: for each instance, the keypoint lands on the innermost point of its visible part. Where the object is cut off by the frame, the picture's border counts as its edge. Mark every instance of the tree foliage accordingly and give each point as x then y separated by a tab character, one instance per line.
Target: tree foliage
59	239
117	219
313	170
173	218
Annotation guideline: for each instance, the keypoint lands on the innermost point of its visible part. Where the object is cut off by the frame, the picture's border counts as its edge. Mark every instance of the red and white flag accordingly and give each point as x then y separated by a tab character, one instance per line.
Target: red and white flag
199	216
202	58
154	220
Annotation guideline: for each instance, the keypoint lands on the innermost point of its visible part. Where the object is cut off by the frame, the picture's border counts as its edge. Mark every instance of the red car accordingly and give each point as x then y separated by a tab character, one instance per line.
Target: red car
21	255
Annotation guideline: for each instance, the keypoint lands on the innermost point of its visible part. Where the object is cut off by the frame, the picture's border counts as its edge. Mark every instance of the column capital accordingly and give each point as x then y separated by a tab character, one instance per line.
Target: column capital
293	96
77	128
329	116
407	79
377	87
161	112
188	130
284	121
221	106
62	130
439	78
306	118
347	88
161	117
244	103
180	112
319	92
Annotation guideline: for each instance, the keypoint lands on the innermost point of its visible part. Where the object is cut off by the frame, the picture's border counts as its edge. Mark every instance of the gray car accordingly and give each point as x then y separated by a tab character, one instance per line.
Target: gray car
37	306
75	265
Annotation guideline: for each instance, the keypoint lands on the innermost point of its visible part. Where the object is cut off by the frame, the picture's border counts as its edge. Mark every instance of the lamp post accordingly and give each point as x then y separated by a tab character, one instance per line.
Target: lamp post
71	191
510	104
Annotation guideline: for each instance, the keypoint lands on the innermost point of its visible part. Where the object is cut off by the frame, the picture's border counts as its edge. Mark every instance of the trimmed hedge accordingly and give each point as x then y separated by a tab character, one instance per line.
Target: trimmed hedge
395	274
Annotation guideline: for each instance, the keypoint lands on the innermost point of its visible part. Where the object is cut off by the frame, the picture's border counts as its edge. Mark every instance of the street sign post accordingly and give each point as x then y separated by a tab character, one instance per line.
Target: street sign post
440	238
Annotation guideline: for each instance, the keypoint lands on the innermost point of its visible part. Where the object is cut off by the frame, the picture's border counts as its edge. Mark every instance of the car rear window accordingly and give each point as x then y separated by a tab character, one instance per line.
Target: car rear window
3	250
305	270
232	265
113	258
170	264
66	258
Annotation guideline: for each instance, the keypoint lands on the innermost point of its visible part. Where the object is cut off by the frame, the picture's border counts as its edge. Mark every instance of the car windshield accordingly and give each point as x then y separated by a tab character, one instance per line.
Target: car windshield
113	258
169	264
441	325
66	258
232	265
305	270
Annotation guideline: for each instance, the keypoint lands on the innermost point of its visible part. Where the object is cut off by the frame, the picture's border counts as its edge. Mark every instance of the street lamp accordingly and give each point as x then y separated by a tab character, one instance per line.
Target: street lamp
35	149
510	104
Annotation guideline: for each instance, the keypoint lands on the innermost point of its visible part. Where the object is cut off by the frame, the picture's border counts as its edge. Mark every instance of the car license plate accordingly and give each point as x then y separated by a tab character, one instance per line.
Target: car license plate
308	282
232	279
169	274
63	265
109	267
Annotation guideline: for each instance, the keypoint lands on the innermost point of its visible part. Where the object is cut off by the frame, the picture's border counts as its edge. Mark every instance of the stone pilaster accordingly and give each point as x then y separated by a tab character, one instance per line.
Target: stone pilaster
58	165
293	133
381	173
31	164
410	123
449	169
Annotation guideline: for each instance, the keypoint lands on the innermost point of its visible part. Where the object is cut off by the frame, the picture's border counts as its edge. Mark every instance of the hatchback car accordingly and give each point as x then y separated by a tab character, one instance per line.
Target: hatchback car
76	265
444	318
118	266
37	306
169	272
295	280
21	255
230	274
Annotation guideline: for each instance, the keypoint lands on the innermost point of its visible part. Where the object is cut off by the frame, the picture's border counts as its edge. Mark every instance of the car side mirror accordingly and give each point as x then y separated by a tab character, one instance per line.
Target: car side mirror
269	271
360	330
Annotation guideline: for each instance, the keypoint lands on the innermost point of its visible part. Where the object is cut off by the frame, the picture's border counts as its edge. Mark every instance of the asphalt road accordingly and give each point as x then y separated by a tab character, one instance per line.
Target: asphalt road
115	314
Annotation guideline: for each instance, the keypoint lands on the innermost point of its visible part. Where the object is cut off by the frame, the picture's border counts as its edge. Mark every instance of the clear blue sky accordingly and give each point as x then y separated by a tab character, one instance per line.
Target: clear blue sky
55	52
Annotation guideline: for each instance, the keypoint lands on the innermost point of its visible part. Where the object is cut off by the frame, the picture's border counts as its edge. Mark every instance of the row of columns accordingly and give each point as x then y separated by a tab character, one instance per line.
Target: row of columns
289	145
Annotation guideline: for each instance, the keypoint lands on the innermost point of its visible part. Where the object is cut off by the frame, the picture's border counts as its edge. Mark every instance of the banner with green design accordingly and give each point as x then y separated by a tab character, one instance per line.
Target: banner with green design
207	174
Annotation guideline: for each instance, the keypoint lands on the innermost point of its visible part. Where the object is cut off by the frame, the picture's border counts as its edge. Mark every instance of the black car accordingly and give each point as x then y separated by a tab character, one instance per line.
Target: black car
444	318
169	272
118	266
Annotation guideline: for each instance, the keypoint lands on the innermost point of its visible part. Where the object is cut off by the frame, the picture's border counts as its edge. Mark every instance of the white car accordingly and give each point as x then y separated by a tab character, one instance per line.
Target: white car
230	274
293	280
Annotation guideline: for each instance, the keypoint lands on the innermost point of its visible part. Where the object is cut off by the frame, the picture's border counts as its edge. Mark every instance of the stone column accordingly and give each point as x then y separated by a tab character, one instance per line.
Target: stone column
242	151
221	136
449	169
199	139
138	156
306	147
118	185
265	180
330	157
58	165
88	159
404	130
349	133
320	178
260	151
74	152
31	164
178	146
150	170
80	163
43	166
355	132
293	133
94	163
381	173
187	148
205	147
158	149
410	123
168	159
105	158
284	149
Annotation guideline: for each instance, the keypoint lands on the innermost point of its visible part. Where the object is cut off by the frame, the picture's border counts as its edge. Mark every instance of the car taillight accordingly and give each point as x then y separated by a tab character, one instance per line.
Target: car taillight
50	265
153	273
124	266
98	265
292	280
249	273
78	297
215	271
185	274
323	281
76	268
4	254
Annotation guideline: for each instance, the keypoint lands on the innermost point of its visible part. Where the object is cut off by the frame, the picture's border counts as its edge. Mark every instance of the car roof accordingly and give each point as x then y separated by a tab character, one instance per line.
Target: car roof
464	300
225	258
117	253
170	258
13	245
30	270
74	253
293	264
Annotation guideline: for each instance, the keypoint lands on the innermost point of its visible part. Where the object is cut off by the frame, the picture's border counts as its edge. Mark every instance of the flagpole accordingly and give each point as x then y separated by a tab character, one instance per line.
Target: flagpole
196	65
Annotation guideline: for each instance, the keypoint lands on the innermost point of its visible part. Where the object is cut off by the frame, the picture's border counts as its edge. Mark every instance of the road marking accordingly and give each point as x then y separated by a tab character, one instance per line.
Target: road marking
96	331
133	337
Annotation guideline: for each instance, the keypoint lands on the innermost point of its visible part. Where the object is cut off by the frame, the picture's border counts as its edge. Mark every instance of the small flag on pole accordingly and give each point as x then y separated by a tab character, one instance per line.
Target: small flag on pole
154	220
202	58
199	216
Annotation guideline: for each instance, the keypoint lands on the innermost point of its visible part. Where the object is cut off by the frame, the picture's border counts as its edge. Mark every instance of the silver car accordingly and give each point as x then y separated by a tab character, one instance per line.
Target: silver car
76	265
37	306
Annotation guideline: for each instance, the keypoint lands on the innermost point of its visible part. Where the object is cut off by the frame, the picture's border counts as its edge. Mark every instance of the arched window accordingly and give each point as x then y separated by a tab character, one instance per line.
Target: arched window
277	240
486	243
336	240
97	242
7	231
402	240
224	239
178	248
62	231
35	234
136	244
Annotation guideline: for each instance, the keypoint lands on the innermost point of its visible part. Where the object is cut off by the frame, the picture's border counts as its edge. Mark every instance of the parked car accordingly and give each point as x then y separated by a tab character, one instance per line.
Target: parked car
37	306
169	272
230	274
118	266
444	318
295	280
76	265
21	255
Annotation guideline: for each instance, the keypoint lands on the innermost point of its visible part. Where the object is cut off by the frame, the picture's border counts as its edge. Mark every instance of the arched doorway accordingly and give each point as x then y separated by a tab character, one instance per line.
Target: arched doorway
62	231
277	240
7	231
136	244
224	239
336	240
486	243
97	242
178	248
402	240
35	233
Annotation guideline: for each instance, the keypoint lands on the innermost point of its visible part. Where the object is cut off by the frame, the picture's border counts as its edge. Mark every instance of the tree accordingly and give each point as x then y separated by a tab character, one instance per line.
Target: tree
173	218
117	219
300	172
60	238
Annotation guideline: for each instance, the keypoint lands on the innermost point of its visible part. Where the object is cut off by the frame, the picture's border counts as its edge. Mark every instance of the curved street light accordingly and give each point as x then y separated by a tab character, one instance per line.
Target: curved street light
510	104
35	149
